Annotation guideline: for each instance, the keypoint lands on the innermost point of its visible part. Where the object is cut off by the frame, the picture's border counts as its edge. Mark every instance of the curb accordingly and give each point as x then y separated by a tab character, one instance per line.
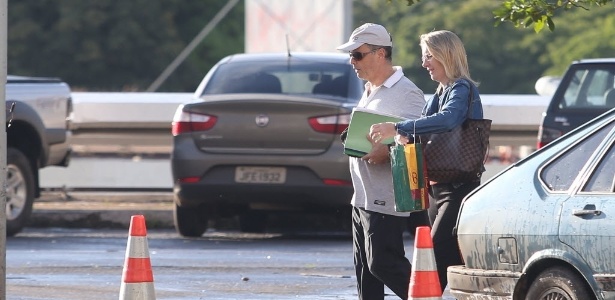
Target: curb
102	209
113	210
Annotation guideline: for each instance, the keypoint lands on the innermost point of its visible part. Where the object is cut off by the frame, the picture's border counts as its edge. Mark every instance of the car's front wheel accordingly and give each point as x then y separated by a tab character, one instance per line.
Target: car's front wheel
558	283
19	191
190	221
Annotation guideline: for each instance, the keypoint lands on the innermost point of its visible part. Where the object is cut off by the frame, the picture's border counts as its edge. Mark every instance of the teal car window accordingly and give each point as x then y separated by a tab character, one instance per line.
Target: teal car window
561	172
603	177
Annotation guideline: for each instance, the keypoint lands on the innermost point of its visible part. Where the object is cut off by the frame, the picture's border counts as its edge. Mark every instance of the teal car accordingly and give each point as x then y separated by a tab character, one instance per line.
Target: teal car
544	227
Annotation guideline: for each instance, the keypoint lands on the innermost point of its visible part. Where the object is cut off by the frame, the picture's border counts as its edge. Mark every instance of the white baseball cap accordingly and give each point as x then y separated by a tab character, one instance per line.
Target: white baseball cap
367	33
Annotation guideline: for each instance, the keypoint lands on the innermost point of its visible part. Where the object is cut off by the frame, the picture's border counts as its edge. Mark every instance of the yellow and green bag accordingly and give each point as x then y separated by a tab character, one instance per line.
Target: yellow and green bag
409	177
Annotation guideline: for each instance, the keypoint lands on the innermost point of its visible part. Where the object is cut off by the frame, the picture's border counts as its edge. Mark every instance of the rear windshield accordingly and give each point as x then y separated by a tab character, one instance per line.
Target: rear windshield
589	87
299	78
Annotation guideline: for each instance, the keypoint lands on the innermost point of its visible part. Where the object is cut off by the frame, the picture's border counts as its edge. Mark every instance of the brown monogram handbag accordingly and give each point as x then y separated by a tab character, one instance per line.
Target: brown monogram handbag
460	154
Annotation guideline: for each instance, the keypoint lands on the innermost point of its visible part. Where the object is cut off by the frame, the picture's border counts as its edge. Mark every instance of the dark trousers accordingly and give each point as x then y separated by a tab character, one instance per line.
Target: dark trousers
379	255
444	203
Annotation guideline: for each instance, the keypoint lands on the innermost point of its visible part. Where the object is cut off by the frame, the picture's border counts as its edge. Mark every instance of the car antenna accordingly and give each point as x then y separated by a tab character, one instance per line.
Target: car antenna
287	46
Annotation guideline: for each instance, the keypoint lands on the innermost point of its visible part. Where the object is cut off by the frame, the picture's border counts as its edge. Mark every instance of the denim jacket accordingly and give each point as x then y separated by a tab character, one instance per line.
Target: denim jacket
454	107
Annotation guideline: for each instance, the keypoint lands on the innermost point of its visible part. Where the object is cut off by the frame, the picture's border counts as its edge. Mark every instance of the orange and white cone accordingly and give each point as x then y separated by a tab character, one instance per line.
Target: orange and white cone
137	276
424	282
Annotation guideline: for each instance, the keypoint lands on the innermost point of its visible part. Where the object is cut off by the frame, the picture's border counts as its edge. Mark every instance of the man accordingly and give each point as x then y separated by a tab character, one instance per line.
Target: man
378	245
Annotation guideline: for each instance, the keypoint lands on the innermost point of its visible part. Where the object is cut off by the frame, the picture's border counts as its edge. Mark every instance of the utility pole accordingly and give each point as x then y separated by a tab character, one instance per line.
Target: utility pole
3	146
195	42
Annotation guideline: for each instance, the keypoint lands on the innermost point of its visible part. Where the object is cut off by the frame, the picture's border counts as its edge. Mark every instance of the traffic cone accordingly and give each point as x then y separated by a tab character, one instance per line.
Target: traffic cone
424	282
137	276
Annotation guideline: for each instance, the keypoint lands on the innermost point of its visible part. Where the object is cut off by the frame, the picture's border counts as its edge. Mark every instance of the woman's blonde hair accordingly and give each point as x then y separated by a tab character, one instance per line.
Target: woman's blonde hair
447	48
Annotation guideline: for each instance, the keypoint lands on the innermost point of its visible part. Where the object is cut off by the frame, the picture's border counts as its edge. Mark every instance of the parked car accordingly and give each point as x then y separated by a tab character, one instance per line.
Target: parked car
263	135
586	90
542	229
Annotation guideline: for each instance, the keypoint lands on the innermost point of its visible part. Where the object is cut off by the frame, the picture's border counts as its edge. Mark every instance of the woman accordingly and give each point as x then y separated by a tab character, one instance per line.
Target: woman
444	56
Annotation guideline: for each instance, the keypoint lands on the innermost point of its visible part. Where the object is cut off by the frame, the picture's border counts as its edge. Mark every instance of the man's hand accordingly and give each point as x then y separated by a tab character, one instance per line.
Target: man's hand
379	153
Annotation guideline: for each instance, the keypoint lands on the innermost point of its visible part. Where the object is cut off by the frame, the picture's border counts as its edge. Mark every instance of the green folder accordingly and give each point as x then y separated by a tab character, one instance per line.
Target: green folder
361	120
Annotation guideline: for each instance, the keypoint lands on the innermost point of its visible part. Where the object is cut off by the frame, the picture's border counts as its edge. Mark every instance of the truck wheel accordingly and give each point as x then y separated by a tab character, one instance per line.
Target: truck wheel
190	221
558	283
19	191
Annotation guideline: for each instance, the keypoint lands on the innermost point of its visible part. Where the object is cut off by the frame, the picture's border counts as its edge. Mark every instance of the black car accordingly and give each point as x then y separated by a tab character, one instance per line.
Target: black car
586	91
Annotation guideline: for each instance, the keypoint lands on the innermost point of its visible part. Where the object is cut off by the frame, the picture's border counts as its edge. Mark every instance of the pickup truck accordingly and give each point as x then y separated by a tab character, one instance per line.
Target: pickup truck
586	90
39	115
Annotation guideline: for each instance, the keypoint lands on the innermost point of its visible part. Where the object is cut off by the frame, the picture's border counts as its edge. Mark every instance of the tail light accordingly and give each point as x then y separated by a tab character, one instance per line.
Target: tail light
334	124
336	182
184	122
193	179
547	135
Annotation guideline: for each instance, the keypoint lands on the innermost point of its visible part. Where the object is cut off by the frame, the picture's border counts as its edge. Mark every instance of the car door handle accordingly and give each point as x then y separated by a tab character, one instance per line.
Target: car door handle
584	212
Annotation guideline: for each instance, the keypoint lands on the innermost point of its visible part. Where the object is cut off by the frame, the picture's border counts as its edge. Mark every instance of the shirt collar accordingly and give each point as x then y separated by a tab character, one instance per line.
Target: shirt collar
394	78
399	73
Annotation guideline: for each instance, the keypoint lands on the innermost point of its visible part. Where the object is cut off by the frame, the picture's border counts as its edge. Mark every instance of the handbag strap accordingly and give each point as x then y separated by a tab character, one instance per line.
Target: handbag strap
470	99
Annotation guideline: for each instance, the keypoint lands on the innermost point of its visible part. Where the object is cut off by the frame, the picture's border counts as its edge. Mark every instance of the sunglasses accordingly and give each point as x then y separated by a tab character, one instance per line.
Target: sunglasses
358	56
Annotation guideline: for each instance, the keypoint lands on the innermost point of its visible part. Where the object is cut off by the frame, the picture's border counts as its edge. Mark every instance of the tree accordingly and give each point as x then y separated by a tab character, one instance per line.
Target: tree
108	45
503	59
537	12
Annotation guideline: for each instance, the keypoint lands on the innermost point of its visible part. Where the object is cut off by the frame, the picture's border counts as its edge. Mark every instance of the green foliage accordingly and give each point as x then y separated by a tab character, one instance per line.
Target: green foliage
504	59
118	45
124	45
539	12
498	57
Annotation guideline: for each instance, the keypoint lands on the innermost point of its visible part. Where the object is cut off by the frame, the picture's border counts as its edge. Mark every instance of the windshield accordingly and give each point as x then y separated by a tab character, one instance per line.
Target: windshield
298	78
588	87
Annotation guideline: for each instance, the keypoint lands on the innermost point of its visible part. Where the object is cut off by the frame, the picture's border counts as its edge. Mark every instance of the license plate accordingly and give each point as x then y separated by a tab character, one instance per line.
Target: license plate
260	175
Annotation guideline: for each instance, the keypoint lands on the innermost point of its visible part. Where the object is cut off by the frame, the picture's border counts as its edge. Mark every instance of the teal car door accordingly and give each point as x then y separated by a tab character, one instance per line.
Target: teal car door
587	217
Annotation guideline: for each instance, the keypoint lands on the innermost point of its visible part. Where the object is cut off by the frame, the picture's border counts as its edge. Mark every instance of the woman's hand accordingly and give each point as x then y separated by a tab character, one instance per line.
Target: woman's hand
401	140
382	131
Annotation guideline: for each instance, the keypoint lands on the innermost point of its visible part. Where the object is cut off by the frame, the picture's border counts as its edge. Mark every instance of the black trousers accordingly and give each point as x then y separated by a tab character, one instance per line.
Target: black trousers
444	203
379	255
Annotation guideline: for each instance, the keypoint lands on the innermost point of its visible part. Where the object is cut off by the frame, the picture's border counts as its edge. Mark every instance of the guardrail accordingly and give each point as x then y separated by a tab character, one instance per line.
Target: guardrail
124	123
128	128
135	122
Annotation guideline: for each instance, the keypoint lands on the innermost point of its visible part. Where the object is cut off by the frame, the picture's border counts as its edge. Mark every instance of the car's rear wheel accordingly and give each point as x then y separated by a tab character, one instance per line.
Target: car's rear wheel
253	221
558	283
190	221
19	191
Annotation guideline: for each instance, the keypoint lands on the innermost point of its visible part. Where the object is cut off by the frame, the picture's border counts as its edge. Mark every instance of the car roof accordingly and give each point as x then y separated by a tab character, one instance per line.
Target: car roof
330	57
595	60
31	79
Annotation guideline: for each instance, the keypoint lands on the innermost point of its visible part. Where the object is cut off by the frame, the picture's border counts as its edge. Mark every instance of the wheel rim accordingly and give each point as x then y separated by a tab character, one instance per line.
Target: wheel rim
16	192
555	293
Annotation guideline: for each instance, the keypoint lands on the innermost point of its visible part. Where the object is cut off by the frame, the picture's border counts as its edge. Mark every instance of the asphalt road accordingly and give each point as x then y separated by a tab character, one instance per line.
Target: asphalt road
75	243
